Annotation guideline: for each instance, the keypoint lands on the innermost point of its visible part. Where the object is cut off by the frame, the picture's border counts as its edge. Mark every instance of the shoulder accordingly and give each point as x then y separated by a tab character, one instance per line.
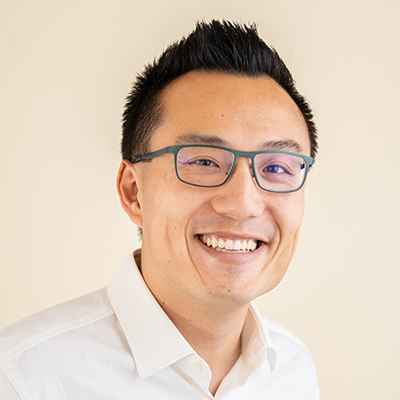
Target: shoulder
294	362
292	355
52	322
281	335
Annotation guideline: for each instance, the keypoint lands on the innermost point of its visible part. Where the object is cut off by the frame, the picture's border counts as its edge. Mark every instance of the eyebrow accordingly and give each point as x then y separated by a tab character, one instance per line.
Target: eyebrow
195	138
287	145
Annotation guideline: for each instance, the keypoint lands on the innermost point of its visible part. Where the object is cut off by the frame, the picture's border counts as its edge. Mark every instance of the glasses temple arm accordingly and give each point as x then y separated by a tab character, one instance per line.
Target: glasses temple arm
150	156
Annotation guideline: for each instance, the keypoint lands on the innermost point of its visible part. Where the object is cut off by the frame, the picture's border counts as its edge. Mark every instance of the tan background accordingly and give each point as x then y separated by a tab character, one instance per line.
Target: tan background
66	67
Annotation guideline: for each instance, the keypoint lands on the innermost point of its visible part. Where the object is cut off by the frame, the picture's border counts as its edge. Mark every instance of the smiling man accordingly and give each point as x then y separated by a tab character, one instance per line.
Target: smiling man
217	144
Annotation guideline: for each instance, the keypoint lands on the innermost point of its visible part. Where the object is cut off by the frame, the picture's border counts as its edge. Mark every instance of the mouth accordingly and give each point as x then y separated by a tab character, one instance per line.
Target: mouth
224	245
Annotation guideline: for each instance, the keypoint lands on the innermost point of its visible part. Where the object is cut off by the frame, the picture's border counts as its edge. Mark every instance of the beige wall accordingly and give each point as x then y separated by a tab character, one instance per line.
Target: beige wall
66	67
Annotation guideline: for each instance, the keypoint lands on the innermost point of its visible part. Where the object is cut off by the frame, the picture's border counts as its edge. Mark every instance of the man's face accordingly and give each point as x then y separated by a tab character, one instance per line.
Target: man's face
241	113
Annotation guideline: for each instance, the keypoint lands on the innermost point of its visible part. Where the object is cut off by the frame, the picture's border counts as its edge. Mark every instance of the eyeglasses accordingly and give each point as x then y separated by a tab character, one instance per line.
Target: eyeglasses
211	166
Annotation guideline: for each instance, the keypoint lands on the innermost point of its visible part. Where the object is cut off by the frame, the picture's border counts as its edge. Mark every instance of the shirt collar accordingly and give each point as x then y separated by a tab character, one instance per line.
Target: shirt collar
256	342
154	340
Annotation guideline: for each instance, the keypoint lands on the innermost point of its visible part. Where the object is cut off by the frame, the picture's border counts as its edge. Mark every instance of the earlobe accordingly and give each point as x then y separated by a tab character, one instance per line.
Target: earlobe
128	190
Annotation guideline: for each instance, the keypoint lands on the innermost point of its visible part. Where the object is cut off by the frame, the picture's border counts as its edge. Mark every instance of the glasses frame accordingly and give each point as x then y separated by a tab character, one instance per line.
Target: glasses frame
236	153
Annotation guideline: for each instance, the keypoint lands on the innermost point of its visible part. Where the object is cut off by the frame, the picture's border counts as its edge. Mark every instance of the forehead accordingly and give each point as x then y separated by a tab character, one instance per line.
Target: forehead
240	112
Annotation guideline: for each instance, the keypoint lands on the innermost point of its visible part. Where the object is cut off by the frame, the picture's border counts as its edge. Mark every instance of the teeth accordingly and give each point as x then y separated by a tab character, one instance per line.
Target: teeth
237	245
228	245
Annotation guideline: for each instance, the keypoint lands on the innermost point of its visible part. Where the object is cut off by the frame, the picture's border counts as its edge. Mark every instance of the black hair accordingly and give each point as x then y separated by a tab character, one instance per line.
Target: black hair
215	46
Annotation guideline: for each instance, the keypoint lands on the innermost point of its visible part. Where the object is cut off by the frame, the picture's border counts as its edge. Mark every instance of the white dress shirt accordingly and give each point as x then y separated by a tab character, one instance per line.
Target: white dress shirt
117	343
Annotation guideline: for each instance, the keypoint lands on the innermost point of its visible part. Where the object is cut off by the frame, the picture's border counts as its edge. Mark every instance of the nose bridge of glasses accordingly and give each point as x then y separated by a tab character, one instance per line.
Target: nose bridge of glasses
242	158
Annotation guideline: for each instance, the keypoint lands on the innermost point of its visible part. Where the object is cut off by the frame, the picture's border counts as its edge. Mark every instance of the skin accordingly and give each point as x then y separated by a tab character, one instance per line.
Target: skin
207	293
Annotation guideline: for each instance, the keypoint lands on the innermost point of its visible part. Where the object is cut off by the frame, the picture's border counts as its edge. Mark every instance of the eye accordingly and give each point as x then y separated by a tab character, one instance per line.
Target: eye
203	162
275	169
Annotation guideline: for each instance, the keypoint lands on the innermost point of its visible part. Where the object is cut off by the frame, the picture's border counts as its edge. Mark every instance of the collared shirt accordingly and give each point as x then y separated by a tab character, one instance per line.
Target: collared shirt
117	343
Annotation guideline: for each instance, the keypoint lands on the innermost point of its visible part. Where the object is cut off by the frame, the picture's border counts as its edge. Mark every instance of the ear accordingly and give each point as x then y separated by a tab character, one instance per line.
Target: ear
128	184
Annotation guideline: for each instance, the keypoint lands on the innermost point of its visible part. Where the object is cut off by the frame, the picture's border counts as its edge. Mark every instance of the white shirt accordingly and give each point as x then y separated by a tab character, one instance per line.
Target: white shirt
117	343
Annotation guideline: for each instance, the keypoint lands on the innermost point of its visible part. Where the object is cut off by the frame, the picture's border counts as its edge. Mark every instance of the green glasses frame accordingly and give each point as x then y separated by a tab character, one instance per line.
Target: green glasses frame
236	153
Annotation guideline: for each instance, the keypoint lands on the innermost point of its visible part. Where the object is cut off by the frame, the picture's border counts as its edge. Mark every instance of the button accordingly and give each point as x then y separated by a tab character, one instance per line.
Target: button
195	367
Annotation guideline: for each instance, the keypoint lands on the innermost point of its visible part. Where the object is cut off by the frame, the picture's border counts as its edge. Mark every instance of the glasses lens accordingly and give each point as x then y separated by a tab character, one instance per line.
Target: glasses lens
203	166
280	172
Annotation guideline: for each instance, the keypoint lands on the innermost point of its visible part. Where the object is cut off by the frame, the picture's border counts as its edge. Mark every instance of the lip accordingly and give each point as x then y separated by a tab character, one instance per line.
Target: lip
233	258
232	236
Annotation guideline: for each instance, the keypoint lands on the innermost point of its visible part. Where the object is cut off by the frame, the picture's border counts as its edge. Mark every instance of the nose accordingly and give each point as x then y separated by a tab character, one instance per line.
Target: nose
240	197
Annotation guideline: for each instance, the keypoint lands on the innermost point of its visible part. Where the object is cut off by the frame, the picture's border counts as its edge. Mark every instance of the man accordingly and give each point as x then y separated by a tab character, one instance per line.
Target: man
217	143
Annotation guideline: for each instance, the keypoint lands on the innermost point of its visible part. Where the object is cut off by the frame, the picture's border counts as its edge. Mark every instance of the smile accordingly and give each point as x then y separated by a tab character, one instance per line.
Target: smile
229	245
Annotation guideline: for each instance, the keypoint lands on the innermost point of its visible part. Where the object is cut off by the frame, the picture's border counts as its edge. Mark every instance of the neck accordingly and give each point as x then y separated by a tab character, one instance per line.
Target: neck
213	332
211	324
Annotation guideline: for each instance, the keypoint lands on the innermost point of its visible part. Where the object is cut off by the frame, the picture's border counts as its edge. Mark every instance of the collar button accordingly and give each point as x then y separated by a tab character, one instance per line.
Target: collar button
195	367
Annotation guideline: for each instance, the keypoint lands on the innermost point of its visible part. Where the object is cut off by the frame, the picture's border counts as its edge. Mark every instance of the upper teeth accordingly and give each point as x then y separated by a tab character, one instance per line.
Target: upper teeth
228	244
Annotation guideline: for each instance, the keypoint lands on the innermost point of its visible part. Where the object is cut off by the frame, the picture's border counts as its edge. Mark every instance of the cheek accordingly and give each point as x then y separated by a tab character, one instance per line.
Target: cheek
289	214
168	205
